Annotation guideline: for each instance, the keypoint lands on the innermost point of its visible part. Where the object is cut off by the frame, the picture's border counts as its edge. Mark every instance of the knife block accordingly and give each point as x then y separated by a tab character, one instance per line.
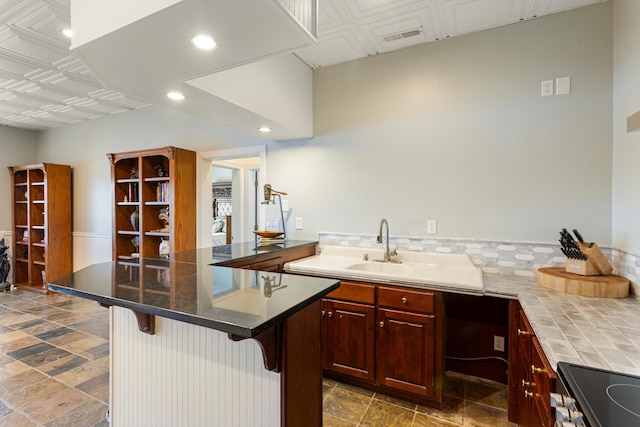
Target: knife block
596	263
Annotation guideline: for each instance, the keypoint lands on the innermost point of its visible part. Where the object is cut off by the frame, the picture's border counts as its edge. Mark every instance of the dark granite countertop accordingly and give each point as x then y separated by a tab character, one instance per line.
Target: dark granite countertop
189	287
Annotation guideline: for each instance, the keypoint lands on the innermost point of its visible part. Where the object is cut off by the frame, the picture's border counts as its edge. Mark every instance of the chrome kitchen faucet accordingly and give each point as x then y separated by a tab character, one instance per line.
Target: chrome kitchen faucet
387	254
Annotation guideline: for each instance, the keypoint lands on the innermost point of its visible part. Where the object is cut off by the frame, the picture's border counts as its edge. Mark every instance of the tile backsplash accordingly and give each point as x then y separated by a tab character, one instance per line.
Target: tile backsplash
498	257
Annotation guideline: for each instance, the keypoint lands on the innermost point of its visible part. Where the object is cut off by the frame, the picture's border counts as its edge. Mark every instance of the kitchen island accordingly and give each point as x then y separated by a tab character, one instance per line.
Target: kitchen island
193	342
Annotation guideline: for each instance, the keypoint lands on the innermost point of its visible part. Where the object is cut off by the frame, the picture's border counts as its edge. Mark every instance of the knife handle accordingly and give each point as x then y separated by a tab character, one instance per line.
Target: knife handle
578	236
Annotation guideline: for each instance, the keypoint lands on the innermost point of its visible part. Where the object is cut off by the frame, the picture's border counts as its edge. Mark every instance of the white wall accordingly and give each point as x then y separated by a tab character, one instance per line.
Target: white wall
457	131
17	147
84	146
626	173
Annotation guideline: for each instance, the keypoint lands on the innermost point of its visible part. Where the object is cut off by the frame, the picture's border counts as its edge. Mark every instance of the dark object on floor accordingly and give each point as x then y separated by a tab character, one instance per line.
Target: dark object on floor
4	287
4	262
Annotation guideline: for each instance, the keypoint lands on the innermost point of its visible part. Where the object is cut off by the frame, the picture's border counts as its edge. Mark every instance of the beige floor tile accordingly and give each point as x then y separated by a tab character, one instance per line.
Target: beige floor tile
37	391
452	410
68	338
83	373
12	368
395	401
488	393
83	344
55	405
478	415
383	414
346	405
21	380
355	389
91	413
423	420
329	420
16	419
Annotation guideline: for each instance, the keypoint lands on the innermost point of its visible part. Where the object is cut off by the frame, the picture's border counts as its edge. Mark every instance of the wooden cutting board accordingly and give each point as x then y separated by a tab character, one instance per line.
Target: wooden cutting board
558	279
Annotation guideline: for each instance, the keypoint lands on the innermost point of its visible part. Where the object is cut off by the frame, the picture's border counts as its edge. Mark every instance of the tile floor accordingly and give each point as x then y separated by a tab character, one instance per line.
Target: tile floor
54	371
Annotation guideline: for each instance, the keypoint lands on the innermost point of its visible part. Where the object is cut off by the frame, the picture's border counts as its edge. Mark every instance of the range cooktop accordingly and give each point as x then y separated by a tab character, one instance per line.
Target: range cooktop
606	398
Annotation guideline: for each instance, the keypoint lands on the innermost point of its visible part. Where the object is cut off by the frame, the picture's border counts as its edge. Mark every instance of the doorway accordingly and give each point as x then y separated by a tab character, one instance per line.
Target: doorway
247	166
234	185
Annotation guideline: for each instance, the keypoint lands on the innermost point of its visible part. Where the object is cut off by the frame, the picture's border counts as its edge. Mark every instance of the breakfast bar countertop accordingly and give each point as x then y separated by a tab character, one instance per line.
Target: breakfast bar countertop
190	287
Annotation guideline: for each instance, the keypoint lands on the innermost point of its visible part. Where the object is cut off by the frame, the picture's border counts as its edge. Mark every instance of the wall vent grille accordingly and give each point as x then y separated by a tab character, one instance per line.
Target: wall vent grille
402	35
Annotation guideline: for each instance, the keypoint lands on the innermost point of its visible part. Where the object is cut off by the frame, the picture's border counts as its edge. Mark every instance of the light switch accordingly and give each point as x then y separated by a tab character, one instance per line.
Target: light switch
563	85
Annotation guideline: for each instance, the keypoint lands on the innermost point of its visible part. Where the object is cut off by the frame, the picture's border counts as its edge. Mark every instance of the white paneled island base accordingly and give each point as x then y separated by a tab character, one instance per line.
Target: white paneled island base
187	375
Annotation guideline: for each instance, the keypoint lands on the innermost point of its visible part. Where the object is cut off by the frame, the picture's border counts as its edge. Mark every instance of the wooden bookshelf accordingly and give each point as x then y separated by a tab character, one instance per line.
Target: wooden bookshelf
148	182
41	213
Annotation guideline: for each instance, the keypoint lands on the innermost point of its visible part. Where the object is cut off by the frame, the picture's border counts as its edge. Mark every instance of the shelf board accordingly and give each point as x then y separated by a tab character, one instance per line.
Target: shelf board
157	179
22	260
21	202
156	203
20	184
133	288
128	180
129	233
37	227
39	262
128	258
38	201
157	233
20	242
38	184
40	245
128	203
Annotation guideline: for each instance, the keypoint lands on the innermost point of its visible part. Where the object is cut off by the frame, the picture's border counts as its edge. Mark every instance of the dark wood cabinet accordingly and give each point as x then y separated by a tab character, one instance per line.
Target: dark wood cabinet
405	357
154	194
531	378
41	211
350	328
385	338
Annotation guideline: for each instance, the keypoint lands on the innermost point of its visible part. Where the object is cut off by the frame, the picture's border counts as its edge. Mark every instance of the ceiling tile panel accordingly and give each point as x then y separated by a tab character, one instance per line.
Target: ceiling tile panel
362	9
43	85
402	30
545	7
341	46
467	16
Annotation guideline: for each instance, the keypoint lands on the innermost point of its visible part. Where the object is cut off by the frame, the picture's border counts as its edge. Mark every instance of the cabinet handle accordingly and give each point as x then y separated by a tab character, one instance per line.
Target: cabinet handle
535	370
528	394
521	332
382	324
323	313
528	383
330	314
404	300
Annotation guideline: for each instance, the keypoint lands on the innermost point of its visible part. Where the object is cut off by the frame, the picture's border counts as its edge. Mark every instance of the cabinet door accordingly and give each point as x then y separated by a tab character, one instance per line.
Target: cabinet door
544	377
405	356
526	389
350	334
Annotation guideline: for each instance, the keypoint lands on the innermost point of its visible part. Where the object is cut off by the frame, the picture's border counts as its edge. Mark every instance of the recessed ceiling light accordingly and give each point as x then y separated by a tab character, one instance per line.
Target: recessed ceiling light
176	96
264	129
67	32
203	42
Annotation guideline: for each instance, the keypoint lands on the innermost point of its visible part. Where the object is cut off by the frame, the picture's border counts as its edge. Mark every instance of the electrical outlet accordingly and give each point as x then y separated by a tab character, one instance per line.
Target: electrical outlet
298	223
498	343
547	88
431	226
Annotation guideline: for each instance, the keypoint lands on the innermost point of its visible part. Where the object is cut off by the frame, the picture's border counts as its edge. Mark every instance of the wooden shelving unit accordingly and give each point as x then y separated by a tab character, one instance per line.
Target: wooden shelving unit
148	182
41	201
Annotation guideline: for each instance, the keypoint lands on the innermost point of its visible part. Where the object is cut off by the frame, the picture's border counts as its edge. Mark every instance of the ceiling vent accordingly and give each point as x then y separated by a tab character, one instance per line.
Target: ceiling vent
402	35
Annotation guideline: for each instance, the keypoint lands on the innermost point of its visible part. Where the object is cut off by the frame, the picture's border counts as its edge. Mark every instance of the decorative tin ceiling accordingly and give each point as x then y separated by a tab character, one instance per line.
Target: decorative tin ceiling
43	86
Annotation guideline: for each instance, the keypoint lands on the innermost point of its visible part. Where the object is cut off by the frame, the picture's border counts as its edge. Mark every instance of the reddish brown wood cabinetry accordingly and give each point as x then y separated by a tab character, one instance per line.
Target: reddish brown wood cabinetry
531	378
41	208
385	338
349	331
406	337
147	184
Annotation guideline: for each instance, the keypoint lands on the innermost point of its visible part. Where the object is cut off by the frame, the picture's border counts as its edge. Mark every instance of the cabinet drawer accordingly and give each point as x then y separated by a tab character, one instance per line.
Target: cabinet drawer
356	292
405	299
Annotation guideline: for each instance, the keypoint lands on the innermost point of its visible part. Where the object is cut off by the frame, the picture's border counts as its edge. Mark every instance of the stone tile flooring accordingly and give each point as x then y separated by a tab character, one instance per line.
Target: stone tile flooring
54	371
468	401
